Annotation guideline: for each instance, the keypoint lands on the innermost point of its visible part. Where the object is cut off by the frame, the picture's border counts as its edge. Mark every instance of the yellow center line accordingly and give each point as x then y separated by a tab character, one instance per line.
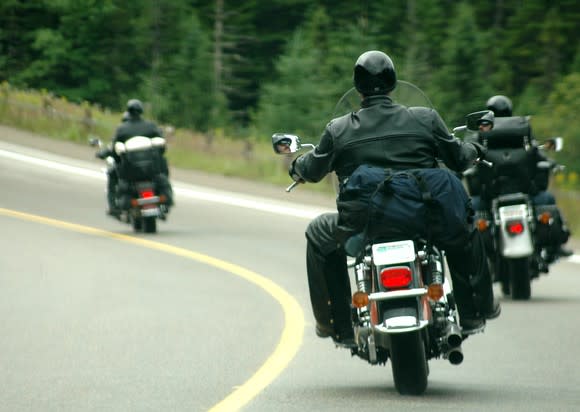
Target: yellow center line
291	337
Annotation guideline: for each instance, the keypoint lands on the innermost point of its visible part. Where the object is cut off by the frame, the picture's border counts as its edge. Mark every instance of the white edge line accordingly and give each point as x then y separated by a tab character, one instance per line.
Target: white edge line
210	195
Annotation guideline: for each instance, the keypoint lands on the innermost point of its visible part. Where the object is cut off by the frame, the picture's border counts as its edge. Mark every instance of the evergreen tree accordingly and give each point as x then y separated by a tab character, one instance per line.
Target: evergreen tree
462	87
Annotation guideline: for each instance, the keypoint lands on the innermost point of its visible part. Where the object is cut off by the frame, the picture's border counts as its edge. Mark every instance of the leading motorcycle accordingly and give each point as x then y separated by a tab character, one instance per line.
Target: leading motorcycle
143	192
403	307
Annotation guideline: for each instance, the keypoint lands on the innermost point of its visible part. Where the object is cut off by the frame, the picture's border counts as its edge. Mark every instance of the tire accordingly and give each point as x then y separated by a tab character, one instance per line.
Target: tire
520	279
137	224
503	275
409	363
149	225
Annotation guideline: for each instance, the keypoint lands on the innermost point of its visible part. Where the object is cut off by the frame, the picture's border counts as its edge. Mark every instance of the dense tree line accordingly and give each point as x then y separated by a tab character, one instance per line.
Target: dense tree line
251	65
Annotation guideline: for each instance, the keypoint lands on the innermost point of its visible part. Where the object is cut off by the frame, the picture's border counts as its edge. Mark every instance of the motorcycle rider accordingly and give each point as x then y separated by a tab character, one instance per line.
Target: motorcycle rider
378	134
502	107
132	124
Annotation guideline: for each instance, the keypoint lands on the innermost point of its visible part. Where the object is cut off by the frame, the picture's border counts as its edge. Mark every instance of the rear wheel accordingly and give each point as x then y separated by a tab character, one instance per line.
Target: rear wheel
409	363
137	224
149	224
520	279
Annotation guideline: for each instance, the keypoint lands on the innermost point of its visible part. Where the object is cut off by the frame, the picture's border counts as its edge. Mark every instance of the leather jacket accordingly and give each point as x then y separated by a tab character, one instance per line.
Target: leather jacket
136	127
384	134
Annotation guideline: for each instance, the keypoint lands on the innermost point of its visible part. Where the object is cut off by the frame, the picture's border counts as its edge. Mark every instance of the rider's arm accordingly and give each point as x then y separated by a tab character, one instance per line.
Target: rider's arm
456	154
314	165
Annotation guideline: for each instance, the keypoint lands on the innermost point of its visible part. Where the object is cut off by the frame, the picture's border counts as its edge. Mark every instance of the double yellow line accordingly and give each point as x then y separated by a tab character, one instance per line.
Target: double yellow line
292	334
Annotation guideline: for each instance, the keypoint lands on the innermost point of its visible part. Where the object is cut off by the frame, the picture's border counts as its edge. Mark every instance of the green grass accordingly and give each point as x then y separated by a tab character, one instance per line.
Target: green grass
249	158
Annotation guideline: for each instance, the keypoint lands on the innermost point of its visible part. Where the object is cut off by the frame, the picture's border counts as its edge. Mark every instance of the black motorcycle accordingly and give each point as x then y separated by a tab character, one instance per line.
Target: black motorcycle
143	193
403	308
520	235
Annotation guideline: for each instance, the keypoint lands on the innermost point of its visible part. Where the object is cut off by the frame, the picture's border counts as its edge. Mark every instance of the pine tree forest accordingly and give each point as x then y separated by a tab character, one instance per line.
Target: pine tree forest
253	67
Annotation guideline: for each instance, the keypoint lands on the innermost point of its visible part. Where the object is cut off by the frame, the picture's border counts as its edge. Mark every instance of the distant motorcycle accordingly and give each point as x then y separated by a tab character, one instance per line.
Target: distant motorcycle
143	191
518	233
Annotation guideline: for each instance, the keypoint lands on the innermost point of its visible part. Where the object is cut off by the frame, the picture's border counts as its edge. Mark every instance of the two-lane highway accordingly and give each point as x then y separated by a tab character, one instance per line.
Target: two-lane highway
209	312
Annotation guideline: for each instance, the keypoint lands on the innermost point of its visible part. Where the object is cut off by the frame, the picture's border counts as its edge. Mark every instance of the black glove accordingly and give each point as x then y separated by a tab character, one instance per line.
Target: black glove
481	150
293	173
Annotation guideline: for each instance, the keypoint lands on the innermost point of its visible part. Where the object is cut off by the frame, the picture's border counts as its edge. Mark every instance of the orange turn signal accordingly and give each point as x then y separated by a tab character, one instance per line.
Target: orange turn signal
482	225
162	199
435	291
545	218
360	299
134	203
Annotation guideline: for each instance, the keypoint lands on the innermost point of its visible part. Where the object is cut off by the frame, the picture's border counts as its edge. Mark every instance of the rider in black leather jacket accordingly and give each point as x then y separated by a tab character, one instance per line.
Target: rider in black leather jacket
532	180
132	125
384	134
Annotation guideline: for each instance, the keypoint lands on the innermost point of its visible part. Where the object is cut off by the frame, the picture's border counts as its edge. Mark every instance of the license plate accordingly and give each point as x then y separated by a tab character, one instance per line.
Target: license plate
393	252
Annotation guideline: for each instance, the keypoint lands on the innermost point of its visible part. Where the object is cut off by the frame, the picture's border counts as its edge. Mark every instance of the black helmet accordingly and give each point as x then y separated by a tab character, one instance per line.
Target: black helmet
487	119
134	107
500	105
374	73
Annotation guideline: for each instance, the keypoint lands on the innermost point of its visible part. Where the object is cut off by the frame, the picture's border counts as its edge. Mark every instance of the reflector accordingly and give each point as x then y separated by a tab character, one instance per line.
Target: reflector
545	218
482	225
435	291
360	299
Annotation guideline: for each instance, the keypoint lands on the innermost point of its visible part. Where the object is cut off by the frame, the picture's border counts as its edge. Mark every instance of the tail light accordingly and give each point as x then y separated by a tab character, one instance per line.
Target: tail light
515	227
396	277
147	193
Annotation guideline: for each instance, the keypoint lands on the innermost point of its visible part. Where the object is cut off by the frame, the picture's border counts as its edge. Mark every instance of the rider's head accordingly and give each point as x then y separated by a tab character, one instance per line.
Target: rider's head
134	108
374	73
500	105
485	123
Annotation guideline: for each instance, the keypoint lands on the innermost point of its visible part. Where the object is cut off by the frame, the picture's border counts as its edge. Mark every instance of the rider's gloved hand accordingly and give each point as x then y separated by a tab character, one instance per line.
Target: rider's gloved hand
293	173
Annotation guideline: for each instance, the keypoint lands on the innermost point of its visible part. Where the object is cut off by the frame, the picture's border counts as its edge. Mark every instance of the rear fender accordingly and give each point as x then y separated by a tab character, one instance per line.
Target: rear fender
515	243
405	308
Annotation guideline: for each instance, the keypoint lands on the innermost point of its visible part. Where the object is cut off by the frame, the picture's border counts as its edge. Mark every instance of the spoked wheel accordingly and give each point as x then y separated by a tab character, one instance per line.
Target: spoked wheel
520	279
149	224
409	363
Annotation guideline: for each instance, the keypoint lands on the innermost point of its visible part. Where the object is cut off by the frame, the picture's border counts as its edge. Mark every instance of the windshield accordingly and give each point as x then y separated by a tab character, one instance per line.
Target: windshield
406	94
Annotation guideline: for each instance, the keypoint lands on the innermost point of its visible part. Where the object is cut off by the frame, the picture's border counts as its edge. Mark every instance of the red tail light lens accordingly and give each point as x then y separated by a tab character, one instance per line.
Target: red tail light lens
397	277
515	227
147	193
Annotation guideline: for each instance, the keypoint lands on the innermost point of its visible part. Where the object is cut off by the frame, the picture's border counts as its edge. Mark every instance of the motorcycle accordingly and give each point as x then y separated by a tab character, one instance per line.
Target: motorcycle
403	308
142	193
518	233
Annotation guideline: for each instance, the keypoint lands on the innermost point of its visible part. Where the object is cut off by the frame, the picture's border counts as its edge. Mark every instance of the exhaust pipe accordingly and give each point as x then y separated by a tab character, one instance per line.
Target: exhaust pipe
455	356
453	337
452	344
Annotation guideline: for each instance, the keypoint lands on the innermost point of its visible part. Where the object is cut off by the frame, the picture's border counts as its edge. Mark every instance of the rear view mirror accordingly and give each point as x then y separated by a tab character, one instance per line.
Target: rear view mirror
284	143
472	120
555	144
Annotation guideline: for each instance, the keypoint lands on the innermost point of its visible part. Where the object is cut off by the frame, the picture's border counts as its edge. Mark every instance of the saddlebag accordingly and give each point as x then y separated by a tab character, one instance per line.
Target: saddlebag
427	203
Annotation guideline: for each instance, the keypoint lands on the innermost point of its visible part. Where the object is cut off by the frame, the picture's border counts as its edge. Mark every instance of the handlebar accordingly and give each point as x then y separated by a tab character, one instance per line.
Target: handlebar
292	186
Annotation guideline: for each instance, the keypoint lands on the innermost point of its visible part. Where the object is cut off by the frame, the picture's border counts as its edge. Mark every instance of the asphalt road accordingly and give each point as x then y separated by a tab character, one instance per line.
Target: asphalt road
212	312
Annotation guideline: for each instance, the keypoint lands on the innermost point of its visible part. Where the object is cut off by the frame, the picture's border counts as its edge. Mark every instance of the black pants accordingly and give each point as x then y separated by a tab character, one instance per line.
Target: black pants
329	282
